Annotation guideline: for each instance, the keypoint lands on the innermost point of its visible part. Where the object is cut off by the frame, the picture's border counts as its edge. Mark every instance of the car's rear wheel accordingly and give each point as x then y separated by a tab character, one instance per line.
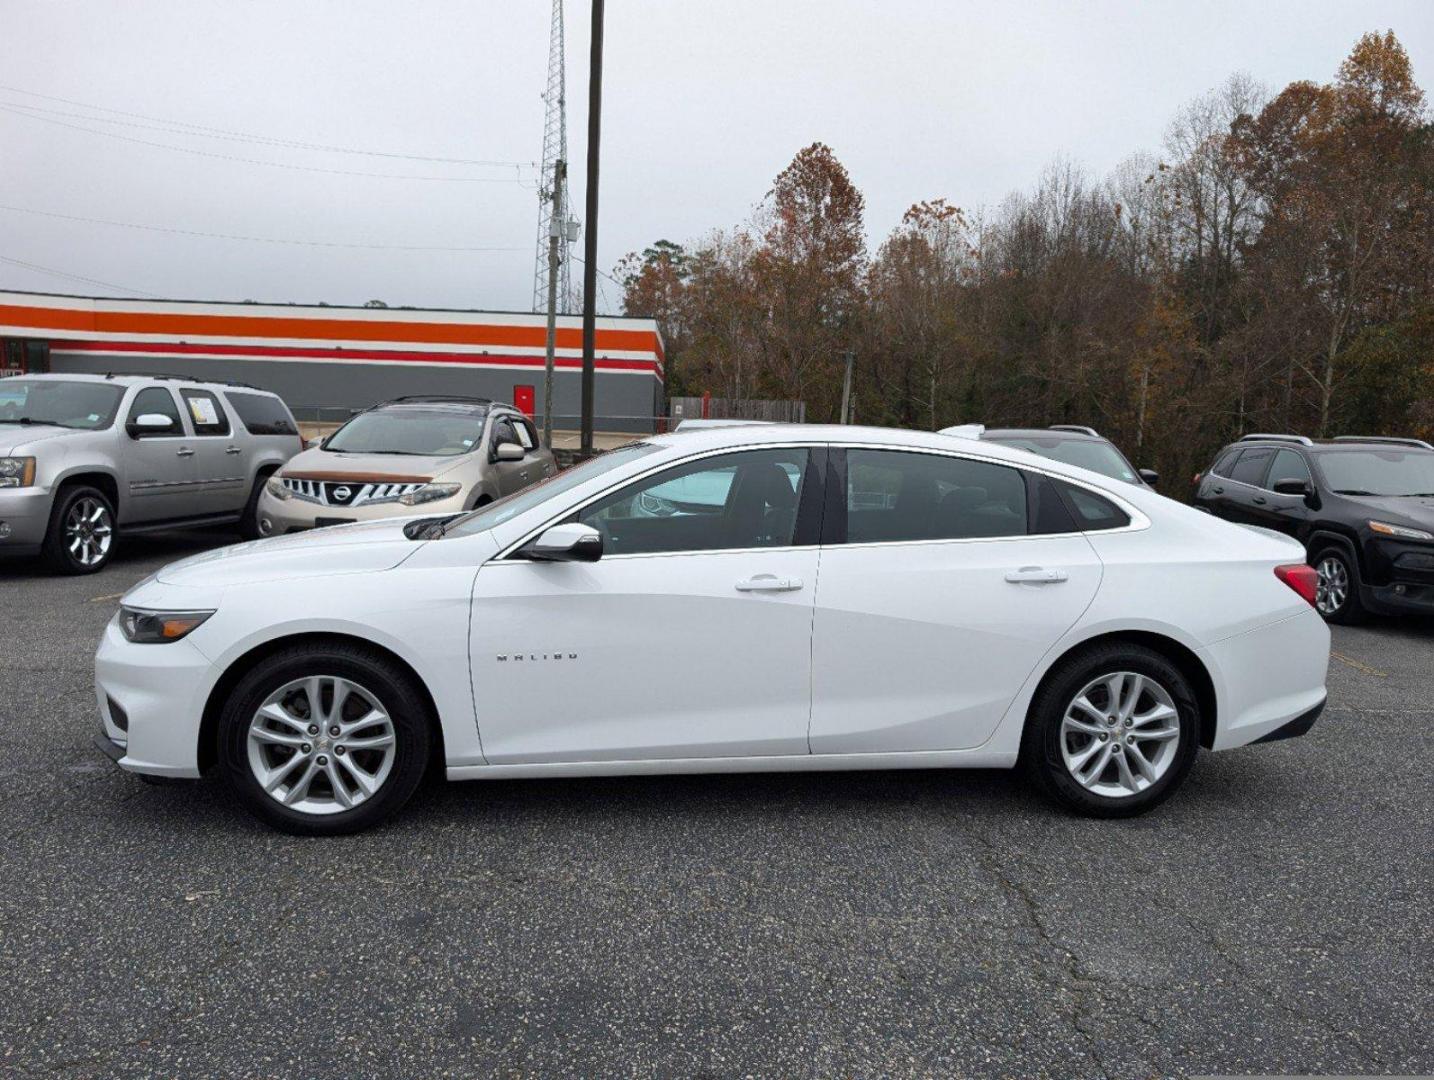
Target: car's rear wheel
1113	731
1337	587
325	739
249	521
82	531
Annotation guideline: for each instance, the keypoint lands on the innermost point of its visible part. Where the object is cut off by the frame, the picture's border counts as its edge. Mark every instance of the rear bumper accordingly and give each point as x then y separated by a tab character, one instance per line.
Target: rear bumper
1300	725
1268	679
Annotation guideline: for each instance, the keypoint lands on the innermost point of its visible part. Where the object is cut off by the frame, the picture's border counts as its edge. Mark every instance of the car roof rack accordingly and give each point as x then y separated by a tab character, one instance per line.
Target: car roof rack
964	431
171	377
1390	439
1078	428
438	399
1303	440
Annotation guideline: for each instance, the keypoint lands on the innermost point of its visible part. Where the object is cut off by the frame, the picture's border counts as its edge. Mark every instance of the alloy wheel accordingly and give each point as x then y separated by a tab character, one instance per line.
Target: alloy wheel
1332	588
1120	734
89	531
321	745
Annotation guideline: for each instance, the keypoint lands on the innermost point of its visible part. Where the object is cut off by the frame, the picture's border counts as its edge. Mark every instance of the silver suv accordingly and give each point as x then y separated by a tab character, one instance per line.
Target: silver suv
409	456
85	456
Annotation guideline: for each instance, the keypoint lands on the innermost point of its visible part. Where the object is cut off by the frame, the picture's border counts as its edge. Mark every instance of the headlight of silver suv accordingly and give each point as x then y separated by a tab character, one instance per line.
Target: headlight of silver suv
430	493
276	488
158	627
17	472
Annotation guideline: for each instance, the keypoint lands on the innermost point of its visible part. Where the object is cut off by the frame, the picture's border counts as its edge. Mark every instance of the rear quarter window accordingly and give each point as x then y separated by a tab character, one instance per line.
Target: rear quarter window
262	414
1092	512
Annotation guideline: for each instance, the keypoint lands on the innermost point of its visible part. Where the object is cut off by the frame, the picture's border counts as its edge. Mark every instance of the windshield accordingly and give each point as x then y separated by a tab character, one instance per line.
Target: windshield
1378	472
408	430
87	406
1097	456
495	513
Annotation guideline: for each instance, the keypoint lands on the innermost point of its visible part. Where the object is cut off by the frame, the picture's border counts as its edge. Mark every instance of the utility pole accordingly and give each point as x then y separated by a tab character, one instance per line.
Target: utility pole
557	231
846	389
590	254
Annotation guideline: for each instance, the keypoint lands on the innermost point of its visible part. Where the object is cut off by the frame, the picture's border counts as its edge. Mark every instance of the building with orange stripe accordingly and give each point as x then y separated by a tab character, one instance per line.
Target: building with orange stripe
342	358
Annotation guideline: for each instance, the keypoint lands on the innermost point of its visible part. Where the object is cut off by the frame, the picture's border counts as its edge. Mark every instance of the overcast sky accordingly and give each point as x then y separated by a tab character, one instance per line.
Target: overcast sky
704	103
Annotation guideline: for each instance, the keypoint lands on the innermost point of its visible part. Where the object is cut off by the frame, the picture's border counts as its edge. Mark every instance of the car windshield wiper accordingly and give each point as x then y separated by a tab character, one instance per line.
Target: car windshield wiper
1353	491
28	420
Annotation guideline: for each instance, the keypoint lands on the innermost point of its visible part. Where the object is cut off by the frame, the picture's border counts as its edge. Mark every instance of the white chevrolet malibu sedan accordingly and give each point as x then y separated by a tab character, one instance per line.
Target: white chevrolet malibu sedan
736	599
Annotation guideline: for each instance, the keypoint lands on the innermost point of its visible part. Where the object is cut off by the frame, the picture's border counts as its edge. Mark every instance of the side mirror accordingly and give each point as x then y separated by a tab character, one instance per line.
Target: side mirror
1150	476
148	424
508	451
566	543
1293	487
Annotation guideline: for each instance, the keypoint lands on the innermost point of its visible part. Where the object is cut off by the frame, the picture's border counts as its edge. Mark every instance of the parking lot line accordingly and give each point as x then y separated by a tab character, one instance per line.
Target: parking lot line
1359	665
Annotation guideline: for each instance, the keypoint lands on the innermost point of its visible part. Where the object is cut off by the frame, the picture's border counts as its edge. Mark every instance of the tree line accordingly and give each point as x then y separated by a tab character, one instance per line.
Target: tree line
1272	269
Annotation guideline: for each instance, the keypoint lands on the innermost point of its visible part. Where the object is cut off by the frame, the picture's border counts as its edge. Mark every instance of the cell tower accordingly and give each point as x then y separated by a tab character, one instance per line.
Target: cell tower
555	149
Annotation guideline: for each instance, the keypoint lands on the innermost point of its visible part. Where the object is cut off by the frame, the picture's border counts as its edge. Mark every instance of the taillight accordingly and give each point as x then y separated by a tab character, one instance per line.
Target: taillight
1303	579
1196	479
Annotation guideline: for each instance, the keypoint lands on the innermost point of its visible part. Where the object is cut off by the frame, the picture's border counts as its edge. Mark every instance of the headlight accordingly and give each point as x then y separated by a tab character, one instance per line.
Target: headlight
1385	529
157	627
430	493
276	488
17	472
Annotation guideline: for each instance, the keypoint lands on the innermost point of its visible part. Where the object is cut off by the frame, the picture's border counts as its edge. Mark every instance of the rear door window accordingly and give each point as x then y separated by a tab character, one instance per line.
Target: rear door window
1225	462
205	412
262	414
895	496
1250	469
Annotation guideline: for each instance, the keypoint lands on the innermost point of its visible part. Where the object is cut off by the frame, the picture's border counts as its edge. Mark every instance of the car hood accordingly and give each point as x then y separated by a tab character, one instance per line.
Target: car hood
18	438
1414	510
341	549
320	464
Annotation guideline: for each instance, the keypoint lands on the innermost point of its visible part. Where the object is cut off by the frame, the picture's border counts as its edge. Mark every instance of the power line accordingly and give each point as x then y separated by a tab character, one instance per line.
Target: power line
73	277
252	239
20	111
207	131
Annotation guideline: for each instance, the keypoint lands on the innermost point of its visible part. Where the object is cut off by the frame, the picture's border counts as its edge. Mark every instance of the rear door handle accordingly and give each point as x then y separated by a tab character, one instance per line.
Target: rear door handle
233	450
1035	575
184	451
1259	500
1219	491
769	583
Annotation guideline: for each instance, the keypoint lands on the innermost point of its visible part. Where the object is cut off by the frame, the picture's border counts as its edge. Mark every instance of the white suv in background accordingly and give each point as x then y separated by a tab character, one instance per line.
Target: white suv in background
83	457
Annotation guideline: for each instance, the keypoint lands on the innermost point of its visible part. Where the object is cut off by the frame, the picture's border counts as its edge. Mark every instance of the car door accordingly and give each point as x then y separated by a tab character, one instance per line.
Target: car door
689	638
1246	499
160	479
1287	513
220	457
538	461
946	580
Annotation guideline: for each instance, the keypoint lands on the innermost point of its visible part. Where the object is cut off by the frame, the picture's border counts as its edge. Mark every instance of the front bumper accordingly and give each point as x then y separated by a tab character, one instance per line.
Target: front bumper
160	691
1399	598
24	519
279	516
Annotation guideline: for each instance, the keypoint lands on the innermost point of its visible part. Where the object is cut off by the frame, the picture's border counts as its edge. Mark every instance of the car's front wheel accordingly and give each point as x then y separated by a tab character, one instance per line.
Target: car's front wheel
1337	587
325	739
82	531
1113	731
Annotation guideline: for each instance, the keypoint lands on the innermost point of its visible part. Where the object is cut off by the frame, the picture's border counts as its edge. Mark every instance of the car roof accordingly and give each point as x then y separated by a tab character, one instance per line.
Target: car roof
145	380
1339	442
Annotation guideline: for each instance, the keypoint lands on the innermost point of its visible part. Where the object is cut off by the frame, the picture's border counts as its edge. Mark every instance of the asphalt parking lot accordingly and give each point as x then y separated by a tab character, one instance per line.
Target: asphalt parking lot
1274	918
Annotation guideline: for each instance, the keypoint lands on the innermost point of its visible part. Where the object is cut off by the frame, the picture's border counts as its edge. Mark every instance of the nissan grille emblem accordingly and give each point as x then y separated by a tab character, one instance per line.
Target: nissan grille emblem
342	493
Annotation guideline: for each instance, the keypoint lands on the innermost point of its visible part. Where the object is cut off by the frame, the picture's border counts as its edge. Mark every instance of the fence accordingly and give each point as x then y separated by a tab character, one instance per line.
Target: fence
780	412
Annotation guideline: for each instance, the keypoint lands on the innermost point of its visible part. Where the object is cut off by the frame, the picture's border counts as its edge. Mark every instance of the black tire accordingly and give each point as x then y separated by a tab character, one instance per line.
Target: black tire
1352	610
394	690
1041	757
249	521
56	549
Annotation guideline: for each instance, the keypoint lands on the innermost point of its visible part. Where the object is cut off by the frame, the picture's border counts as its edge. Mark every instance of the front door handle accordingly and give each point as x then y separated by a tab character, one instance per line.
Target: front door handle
1219	491
184	451
769	583
1035	575
233	450
1259	500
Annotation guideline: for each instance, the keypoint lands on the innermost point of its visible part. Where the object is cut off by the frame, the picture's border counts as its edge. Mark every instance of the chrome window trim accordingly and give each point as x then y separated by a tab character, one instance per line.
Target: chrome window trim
1138	521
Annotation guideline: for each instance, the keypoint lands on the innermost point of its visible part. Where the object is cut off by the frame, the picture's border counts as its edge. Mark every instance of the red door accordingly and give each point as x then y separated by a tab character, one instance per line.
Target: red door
523	399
